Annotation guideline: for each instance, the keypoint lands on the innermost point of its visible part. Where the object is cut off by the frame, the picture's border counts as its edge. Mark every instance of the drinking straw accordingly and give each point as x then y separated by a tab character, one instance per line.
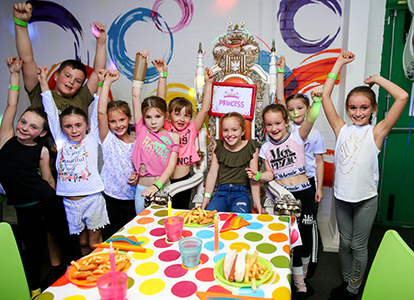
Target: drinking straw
112	262
216	233
169	209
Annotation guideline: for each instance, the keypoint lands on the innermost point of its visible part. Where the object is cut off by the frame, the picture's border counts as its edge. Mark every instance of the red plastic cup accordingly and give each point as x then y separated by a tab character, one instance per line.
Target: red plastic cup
174	228
113	288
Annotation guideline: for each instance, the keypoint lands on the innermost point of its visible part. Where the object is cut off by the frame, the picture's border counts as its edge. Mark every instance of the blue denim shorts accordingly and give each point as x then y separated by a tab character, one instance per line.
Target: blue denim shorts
231	198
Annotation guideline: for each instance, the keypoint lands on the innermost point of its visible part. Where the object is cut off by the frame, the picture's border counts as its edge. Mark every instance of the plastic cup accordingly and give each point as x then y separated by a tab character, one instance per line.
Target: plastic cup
190	249
113	288
174	228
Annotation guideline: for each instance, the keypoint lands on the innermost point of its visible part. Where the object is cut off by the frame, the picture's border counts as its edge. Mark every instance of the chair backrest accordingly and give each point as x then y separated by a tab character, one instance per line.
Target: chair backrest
392	272
13	283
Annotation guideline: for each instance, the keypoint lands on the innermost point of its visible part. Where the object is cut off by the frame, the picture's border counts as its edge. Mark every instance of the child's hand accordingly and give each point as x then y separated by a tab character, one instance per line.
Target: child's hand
371	80
209	76
346	57
14	64
22	11
42	74
101	75
145	54
250	173
316	94
98	30
112	76
133	179
160	65
281	62
149	191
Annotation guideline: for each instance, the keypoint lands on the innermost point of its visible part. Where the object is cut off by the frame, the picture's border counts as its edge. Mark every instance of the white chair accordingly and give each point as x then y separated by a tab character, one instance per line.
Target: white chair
234	64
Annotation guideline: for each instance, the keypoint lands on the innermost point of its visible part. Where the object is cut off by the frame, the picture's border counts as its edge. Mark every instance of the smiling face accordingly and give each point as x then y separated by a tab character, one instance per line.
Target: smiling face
69	81
297	110
118	122
180	119
360	109
154	119
29	126
276	125
74	126
232	132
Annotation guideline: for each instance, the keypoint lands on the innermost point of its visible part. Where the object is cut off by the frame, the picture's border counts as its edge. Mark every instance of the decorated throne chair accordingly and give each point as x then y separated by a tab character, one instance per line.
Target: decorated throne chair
235	53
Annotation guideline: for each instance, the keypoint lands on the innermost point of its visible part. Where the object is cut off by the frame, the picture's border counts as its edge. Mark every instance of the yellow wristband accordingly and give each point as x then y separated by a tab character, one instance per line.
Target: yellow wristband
14	87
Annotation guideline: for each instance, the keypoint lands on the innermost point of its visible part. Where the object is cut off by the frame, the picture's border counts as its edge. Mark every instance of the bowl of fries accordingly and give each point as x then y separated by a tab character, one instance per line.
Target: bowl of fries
198	217
86	271
258	272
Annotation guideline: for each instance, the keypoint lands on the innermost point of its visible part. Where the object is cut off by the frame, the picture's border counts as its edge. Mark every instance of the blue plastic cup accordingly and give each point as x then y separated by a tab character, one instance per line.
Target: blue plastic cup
190	249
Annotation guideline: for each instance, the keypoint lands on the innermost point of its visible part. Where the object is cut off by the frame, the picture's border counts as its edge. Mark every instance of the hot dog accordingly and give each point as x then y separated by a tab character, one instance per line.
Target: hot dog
234	265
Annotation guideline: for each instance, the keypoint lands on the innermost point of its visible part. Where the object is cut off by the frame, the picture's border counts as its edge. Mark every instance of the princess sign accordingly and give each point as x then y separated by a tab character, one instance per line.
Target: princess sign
233	97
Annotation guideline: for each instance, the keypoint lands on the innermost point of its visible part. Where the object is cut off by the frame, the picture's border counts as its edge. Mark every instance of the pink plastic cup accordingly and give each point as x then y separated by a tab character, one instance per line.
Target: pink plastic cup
113	288
174	228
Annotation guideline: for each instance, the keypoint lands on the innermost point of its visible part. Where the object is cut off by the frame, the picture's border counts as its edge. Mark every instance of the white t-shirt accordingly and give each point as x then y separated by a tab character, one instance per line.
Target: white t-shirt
117	167
314	145
356	164
76	162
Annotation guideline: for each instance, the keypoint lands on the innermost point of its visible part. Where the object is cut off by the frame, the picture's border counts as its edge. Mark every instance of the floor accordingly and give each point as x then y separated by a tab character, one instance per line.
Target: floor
328	273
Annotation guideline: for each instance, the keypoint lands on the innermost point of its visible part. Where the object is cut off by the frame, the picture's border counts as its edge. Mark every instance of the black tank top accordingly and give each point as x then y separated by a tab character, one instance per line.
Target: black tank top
19	173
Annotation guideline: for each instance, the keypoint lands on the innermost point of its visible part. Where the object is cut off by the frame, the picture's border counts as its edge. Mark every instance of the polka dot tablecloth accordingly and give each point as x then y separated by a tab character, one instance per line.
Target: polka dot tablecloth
158	273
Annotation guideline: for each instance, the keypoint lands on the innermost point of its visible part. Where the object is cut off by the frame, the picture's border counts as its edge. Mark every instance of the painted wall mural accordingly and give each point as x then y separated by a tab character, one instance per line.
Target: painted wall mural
307	32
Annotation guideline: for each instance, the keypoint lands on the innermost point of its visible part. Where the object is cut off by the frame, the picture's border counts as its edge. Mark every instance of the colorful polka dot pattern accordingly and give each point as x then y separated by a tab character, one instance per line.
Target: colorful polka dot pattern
158	273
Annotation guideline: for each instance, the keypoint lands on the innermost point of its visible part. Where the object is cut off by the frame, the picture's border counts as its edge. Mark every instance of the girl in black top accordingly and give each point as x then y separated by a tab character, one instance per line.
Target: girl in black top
31	193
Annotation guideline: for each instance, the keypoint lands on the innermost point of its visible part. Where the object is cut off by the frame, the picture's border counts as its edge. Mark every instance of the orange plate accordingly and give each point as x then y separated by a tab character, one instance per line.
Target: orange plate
83	283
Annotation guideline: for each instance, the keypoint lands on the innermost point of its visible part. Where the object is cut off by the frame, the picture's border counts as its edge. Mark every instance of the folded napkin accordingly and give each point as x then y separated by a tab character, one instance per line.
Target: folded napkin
233	222
123	244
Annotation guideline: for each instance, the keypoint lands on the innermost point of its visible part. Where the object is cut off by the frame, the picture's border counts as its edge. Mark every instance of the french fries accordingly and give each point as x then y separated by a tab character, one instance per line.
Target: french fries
198	216
254	270
96	265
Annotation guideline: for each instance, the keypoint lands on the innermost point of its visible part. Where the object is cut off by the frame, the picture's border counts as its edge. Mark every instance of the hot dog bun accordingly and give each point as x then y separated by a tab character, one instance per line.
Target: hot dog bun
240	266
228	262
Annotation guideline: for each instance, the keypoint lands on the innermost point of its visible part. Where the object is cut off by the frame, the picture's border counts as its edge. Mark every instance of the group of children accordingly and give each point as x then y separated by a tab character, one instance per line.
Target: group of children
163	150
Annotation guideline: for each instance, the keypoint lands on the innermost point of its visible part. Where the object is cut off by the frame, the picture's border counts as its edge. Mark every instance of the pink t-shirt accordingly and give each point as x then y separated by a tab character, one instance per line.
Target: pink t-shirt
153	149
187	153
287	157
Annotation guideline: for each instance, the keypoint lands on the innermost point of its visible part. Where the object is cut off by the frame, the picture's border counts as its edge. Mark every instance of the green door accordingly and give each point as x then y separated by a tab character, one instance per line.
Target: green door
396	186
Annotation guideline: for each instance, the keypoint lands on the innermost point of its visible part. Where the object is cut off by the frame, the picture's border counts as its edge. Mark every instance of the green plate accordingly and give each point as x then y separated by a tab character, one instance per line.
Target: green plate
218	273
194	224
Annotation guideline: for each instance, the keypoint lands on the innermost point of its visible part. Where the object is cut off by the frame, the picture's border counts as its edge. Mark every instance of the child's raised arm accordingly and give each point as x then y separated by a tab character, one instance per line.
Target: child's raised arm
98	30
137	89
313	113
205	106
400	96
6	128
280	83
110	77
22	14
42	78
334	120
162	69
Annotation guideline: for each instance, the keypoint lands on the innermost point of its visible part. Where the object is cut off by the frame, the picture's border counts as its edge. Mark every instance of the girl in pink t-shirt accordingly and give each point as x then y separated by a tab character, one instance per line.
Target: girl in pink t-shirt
284	156
156	150
180	113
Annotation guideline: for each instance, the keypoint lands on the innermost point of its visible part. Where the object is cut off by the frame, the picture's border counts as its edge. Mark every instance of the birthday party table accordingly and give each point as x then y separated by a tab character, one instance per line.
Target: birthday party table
158	273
